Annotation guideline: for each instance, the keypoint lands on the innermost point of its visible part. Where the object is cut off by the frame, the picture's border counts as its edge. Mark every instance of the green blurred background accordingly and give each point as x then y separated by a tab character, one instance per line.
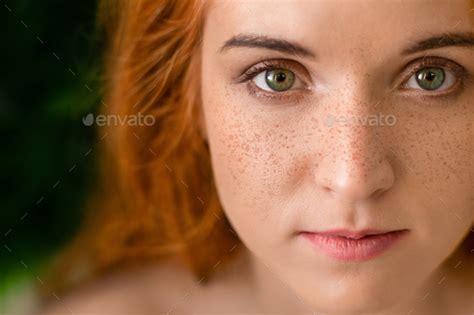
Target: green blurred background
50	79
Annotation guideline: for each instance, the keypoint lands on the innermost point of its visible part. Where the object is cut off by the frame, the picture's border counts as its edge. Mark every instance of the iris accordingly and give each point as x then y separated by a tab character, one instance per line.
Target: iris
430	78
280	79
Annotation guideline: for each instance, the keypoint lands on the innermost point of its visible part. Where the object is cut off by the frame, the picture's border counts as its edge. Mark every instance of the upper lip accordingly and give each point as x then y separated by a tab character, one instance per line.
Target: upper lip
352	234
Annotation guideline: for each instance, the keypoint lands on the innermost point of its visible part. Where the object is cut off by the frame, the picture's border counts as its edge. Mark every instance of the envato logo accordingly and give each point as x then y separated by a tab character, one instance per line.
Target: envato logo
117	120
366	120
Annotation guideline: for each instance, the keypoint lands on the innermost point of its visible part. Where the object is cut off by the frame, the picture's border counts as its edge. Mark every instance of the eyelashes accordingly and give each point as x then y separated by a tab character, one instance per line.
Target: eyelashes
284	78
262	79
433	76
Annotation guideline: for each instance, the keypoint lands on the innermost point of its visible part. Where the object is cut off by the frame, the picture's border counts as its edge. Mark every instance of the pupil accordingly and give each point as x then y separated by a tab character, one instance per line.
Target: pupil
280	77
430	76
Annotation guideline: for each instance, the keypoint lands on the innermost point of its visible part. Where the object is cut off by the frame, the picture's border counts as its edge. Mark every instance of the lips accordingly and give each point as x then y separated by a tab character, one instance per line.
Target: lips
349	245
352	234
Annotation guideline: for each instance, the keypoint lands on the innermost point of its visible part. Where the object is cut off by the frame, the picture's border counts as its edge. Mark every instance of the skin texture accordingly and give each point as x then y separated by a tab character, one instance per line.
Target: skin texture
280	168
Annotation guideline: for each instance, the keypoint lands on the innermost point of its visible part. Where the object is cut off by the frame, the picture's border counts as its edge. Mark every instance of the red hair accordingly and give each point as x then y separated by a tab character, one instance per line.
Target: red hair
157	196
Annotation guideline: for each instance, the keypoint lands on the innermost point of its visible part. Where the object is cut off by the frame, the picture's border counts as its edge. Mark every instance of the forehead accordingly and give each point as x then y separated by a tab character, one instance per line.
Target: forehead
364	22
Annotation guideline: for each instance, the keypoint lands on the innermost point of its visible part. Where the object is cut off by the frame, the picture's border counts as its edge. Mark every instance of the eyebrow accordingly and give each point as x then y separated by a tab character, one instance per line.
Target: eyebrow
463	39
258	41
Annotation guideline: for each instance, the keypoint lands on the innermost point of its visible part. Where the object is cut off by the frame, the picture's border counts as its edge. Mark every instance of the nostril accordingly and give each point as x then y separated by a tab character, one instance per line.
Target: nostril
378	193
328	190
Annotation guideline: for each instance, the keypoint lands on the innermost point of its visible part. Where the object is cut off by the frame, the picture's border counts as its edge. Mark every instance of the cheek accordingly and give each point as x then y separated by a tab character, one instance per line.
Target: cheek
243	154
254	162
436	151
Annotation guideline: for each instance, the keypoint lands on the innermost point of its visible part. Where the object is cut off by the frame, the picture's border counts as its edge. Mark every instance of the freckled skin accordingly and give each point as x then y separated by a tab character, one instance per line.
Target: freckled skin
279	168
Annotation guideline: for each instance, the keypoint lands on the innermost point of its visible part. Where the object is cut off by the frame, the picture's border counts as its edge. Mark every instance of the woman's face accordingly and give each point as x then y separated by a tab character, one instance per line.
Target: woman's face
328	115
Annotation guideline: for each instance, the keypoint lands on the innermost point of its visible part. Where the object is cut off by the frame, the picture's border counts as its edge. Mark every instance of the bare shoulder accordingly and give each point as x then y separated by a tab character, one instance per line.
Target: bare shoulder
166	287
141	290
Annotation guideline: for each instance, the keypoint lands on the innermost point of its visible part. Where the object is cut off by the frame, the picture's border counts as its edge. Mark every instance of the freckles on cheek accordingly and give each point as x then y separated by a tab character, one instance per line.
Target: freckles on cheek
233	146
247	152
436	151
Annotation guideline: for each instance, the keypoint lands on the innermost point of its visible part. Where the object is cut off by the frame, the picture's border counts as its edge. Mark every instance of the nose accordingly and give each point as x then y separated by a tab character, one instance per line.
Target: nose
356	165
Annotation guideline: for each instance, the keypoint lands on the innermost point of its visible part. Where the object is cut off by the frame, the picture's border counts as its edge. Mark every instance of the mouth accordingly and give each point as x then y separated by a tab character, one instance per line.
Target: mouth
346	245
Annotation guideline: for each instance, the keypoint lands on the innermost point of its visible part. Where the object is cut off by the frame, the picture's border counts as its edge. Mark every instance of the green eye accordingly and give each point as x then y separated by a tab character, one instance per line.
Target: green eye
430	78
279	79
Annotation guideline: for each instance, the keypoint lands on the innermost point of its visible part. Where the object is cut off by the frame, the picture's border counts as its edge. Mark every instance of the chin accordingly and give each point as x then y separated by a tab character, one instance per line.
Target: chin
361	295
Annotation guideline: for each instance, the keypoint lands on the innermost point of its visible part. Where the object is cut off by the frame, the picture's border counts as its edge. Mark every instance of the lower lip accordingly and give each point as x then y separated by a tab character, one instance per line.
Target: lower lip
347	249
